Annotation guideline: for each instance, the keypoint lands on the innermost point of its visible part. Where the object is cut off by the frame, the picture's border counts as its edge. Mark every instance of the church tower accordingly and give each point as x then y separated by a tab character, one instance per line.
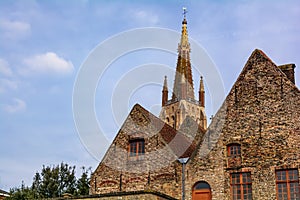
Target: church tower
183	102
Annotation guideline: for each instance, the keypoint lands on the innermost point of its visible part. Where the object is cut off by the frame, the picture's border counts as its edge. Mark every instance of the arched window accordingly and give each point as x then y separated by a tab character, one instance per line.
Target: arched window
173	121
201	190
201	185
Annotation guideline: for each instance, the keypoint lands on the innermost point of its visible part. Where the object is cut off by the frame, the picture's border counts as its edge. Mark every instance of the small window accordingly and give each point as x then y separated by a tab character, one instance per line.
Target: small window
234	150
241	186
136	147
287	184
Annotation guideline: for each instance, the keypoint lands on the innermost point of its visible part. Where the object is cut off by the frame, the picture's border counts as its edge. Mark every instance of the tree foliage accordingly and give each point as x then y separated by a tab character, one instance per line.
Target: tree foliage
54	181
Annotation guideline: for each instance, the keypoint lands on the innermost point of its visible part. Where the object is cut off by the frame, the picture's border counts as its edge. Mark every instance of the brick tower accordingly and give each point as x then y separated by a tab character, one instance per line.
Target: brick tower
183	102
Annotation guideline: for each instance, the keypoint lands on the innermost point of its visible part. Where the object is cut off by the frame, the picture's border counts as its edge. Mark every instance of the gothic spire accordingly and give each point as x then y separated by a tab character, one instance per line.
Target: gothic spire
183	66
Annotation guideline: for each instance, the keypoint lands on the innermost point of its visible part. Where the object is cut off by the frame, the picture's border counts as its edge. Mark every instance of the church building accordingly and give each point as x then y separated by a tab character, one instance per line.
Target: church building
250	150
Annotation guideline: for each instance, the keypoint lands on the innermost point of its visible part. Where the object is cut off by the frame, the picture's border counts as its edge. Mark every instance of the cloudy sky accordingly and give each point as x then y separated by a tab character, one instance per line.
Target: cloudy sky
43	44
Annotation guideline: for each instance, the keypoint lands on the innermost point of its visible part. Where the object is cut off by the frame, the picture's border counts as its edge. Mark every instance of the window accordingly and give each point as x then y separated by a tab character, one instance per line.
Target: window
287	184
136	147
234	158
168	120
234	150
241	186
201	185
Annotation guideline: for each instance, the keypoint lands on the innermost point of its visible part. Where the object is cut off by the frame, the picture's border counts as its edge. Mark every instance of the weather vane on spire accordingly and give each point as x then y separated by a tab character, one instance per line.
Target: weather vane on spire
184	12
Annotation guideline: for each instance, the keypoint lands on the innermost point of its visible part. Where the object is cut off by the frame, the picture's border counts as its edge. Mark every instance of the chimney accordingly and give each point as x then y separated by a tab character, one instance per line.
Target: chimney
288	70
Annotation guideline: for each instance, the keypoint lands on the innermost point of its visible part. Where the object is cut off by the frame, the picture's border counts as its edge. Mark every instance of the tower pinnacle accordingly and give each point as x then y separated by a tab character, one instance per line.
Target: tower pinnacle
165	92
201	93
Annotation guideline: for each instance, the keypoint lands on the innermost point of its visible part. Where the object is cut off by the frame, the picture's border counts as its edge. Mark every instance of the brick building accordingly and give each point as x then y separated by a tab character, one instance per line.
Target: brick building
3	194
251	149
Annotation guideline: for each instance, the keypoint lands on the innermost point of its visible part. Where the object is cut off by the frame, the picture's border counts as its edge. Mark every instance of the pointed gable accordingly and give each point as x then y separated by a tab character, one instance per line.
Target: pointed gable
262	107
260	116
162	142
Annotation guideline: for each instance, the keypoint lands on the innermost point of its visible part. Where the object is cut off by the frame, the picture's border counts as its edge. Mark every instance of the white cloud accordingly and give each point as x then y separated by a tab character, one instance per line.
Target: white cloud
4	68
14	29
145	17
47	63
18	105
7	84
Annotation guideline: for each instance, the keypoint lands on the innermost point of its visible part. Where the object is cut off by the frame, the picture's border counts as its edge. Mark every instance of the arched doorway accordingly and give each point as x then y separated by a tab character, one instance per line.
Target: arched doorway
201	191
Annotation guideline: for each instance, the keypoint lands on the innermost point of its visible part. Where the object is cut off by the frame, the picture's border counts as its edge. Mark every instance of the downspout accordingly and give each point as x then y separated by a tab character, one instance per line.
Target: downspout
183	161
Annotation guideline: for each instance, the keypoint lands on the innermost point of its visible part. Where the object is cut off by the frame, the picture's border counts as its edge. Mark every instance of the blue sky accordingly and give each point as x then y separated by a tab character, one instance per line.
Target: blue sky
44	43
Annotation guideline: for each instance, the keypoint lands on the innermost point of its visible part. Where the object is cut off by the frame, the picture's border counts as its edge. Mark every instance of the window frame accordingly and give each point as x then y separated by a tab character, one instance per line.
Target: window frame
136	148
234	150
241	185
287	181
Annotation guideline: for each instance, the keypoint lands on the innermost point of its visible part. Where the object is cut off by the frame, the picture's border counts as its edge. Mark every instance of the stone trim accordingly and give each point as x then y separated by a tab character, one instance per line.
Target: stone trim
119	194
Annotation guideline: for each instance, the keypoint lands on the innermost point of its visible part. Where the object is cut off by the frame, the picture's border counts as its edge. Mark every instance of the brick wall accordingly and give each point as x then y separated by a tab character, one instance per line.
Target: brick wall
157	170
262	114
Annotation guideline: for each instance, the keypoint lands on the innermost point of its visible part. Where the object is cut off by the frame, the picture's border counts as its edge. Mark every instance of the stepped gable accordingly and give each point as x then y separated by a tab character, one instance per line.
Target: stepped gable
178	142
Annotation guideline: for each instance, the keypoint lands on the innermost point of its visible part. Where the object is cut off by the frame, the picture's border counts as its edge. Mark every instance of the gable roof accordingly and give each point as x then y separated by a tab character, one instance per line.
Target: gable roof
3	193
141	121
258	71
167	144
181	145
259	57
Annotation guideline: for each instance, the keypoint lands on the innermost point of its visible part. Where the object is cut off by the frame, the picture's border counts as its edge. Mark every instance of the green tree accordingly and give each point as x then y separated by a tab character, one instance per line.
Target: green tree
58	180
36	185
83	183
54	181
21	193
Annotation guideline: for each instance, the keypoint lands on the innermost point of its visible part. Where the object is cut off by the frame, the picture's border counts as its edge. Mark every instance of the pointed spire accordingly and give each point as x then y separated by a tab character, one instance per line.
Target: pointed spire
183	65
184	42
165	92
201	93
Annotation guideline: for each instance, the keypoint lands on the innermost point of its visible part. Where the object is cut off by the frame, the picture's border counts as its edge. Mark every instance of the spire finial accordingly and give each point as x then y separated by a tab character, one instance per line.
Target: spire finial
184	12
184	15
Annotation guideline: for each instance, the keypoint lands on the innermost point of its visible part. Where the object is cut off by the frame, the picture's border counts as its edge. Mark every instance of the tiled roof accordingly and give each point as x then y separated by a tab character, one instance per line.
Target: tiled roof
178	141
3	193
